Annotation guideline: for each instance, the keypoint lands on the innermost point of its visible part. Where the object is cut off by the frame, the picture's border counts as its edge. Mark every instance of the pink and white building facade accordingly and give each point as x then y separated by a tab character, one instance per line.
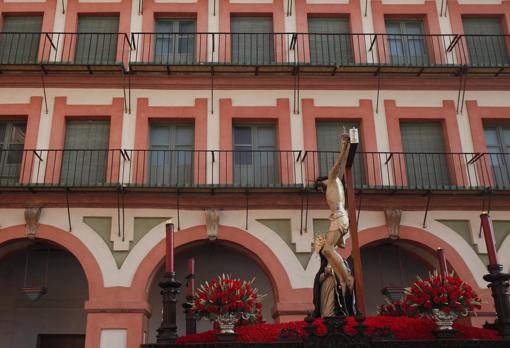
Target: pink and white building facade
118	115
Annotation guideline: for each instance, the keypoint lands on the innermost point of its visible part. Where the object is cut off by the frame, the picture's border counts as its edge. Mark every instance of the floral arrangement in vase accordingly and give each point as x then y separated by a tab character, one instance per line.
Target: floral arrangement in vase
228	301
442	297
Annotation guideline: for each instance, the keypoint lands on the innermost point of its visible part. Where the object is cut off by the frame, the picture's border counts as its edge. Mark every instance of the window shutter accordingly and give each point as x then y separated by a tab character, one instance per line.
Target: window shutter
251	25
489	49
426	163
328	25
252	40
482	26
422	136
97	39
22	24
22	45
98	24
328	145
329	41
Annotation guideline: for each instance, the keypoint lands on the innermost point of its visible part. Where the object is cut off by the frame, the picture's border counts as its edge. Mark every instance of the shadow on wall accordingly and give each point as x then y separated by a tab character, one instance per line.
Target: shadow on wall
211	259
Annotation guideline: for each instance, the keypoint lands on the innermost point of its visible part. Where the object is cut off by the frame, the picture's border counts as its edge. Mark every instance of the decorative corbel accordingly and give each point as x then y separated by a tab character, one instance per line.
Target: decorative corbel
212	221
393	217
32	215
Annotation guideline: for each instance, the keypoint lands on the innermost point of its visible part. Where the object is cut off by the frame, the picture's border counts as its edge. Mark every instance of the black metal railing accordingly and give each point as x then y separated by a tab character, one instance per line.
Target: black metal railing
257	49
314	49
250	169
64	48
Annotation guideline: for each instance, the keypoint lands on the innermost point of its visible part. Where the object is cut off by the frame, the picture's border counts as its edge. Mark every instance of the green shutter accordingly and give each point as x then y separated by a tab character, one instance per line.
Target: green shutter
97	39
252	40
85	156
424	154
328	147
485	41
21	45
330	42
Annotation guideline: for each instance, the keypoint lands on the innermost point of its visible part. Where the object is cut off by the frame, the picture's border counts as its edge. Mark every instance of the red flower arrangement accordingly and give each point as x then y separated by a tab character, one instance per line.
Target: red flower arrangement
228	295
403	328
396	309
447	293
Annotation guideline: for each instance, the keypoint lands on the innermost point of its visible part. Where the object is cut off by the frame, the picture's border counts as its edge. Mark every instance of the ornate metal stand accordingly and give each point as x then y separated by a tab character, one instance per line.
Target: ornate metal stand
191	322
499	287
167	333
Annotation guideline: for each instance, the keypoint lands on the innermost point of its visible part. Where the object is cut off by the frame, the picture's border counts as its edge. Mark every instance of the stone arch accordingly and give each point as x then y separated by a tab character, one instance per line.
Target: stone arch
422	238
260	252
66	240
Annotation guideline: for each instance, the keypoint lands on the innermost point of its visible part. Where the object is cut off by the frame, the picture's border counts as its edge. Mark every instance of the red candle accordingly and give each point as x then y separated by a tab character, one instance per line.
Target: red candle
169	261
488	234
191	274
442	261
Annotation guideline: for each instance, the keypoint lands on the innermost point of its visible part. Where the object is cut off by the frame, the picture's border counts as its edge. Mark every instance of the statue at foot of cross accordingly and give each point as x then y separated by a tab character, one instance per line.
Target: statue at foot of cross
334	283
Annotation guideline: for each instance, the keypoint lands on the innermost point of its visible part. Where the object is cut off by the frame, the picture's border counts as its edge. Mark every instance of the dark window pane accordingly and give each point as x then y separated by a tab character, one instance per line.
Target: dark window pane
171	155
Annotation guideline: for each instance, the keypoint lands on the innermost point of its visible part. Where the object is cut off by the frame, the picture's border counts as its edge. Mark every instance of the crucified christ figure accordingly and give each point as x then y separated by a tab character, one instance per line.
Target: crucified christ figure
339	220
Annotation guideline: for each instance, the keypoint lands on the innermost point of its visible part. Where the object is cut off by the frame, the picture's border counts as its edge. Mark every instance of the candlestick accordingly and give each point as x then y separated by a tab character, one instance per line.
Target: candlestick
488	234
191	275
442	261
169	261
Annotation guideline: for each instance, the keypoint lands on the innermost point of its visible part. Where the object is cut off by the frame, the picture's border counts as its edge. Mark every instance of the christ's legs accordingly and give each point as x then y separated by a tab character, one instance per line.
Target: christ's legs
335	260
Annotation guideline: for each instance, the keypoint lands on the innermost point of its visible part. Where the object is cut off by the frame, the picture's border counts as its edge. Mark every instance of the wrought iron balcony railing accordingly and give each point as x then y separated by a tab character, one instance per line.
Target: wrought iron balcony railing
349	52
154	169
271	52
64	51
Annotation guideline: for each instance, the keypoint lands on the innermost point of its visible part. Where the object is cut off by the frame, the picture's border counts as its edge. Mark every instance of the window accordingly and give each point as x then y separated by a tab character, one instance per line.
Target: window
175	41
328	147
19	41
497	138
12	140
252	40
485	42
255	155
330	41
85	157
171	155
424	155
406	43
97	40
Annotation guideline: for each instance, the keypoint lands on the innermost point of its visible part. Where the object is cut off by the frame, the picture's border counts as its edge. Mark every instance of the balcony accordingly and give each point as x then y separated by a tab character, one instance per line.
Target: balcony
248	170
263	53
64	52
281	53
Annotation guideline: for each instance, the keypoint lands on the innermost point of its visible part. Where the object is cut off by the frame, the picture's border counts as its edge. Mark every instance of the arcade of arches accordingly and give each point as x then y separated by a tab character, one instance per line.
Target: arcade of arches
76	307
